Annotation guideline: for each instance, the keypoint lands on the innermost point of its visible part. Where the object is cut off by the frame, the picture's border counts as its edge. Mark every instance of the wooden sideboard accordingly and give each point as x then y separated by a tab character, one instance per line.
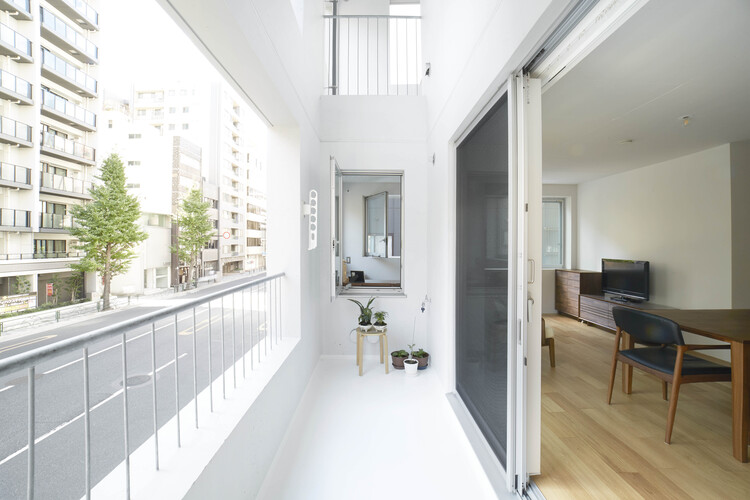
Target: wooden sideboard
570	284
597	309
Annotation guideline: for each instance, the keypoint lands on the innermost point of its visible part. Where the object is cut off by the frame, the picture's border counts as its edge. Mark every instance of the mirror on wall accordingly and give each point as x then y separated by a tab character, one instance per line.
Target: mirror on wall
369	232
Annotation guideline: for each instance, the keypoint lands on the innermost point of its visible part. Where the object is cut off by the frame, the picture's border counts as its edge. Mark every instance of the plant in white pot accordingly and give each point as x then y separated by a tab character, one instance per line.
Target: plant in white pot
380	323
411	364
365	314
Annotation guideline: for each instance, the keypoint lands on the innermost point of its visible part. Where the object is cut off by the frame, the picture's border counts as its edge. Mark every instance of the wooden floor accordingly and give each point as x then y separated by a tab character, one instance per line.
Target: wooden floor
592	450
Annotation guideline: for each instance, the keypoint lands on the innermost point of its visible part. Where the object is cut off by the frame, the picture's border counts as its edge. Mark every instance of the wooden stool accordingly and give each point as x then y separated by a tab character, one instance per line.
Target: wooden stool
383	339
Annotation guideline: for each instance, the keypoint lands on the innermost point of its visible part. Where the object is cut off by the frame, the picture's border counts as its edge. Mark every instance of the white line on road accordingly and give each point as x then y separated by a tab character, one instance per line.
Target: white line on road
62	426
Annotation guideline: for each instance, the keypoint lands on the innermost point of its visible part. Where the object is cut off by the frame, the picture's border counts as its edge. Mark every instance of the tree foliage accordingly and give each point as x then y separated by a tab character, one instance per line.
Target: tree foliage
107	227
194	230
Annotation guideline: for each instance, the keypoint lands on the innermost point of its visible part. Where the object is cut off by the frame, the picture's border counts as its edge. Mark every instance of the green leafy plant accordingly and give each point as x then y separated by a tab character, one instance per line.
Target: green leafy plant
74	285
194	231
421	353
107	227
365	312
22	285
380	317
411	349
400	354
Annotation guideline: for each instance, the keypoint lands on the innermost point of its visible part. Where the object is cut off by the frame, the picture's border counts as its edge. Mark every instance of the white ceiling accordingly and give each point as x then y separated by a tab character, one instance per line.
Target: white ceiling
672	58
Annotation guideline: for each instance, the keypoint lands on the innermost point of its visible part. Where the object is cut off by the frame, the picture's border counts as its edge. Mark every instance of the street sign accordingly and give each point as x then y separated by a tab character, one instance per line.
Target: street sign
49	289
227	235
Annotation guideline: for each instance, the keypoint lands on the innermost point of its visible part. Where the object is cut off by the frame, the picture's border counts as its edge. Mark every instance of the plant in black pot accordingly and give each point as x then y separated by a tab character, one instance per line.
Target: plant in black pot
422	358
380	323
398	358
365	313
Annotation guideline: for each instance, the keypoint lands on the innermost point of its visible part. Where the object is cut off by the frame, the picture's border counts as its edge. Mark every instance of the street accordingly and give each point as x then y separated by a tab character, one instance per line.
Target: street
59	453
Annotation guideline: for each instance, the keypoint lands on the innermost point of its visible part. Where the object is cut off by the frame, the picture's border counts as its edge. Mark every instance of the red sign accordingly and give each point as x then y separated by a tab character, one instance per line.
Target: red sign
49	289
227	235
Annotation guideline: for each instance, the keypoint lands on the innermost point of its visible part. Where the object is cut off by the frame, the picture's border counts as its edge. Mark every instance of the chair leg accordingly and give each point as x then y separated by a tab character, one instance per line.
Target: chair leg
387	361
664	388
380	341
360	353
552	352
676	381
614	366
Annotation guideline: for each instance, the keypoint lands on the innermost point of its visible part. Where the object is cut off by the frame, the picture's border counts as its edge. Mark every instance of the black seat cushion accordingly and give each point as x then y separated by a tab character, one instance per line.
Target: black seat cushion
663	359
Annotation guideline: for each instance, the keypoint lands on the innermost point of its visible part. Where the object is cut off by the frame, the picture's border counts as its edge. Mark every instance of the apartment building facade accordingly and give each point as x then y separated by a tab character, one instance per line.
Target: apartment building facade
48	138
212	116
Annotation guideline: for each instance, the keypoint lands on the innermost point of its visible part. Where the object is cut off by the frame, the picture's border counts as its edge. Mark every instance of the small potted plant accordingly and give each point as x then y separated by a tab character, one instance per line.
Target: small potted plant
422	358
380	323
411	364
365	314
398	358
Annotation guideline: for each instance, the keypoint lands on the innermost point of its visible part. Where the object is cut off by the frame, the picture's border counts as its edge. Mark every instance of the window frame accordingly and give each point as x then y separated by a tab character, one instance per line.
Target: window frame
562	202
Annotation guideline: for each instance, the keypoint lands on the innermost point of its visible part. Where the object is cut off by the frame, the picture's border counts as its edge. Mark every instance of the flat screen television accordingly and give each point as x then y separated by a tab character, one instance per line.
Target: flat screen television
626	278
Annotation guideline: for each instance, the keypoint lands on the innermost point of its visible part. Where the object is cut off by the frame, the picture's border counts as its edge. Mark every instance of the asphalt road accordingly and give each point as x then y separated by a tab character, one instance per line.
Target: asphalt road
59	452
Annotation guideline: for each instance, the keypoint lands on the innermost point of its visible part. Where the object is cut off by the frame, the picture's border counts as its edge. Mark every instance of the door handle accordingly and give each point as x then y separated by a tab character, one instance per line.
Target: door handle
532	273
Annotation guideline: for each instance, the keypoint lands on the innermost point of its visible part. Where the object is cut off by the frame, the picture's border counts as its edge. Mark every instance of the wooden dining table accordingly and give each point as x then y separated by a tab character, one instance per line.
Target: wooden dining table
726	325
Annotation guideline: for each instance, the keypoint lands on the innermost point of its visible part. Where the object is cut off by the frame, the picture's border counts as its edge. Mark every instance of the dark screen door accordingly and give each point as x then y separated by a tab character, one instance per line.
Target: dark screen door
482	275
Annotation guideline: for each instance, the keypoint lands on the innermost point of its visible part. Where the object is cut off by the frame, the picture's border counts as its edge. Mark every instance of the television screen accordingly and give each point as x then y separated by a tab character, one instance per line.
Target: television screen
628	278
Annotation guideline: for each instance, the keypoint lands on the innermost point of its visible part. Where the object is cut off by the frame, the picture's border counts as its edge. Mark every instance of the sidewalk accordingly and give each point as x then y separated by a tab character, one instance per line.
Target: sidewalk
122	308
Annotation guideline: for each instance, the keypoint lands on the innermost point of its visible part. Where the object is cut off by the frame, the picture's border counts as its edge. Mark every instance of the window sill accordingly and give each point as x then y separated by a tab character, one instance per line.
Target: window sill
372	292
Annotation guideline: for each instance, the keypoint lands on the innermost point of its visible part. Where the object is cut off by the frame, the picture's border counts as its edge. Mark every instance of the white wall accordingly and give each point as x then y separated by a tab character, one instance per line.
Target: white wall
674	214
570	193
740	177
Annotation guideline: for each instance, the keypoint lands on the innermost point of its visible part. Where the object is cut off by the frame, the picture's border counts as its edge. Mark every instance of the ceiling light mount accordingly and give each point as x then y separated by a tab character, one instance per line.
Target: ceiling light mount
686	120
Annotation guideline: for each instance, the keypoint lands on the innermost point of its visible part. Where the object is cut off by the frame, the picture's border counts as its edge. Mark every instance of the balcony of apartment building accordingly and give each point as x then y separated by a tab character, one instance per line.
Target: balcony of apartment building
79	11
67	75
61	109
55	223
63	185
67	149
14	45
15	89
15	133
15	220
36	256
15	176
61	34
20	9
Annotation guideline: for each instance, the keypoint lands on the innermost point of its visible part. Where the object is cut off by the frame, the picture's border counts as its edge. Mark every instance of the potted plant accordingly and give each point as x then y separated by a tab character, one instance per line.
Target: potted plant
422	358
380	323
365	314
411	364
398	358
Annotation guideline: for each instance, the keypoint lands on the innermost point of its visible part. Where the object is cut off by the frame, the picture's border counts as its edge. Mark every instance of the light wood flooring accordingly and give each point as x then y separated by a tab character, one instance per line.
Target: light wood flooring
592	450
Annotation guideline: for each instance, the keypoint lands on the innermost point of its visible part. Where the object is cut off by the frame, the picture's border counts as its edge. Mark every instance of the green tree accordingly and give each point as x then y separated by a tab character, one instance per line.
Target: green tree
194	230
57	284
22	285
107	227
74	284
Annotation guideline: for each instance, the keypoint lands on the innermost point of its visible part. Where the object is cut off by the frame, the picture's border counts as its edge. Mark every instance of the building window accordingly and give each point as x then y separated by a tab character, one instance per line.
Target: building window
368	241
172	110
170	126
553	238
141	112
186	109
185	126
109	124
134	136
134	163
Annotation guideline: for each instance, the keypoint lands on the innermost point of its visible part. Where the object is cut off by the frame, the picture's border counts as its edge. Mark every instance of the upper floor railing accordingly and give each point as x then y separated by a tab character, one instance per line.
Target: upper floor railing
223	335
70	74
373	55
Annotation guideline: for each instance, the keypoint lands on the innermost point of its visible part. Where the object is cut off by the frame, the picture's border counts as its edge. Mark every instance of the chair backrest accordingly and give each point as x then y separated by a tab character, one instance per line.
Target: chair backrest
648	328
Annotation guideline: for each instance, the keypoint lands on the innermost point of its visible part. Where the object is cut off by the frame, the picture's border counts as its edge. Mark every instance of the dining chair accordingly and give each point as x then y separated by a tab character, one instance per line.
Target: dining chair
548	339
664	355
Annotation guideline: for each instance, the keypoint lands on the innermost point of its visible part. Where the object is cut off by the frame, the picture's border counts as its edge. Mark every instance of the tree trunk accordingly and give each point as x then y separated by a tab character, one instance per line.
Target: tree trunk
107	279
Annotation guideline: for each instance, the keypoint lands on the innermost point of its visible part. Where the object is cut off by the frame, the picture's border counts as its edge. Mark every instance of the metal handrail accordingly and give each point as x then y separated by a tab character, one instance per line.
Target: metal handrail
268	305
36	356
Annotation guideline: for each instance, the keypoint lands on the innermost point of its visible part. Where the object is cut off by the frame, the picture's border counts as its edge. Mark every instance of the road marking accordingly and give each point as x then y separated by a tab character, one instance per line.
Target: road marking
58	428
189	331
26	342
53	370
62	426
6	388
167	364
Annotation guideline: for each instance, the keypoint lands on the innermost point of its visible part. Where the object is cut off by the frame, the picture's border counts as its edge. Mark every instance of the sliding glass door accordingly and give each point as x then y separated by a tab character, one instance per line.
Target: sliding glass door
482	294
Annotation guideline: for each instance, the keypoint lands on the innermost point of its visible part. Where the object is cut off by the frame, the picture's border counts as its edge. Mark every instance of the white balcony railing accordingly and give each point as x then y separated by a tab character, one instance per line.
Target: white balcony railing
373	55
248	332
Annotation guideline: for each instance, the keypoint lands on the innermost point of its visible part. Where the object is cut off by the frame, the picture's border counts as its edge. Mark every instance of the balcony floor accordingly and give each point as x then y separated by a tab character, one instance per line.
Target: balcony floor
349	436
